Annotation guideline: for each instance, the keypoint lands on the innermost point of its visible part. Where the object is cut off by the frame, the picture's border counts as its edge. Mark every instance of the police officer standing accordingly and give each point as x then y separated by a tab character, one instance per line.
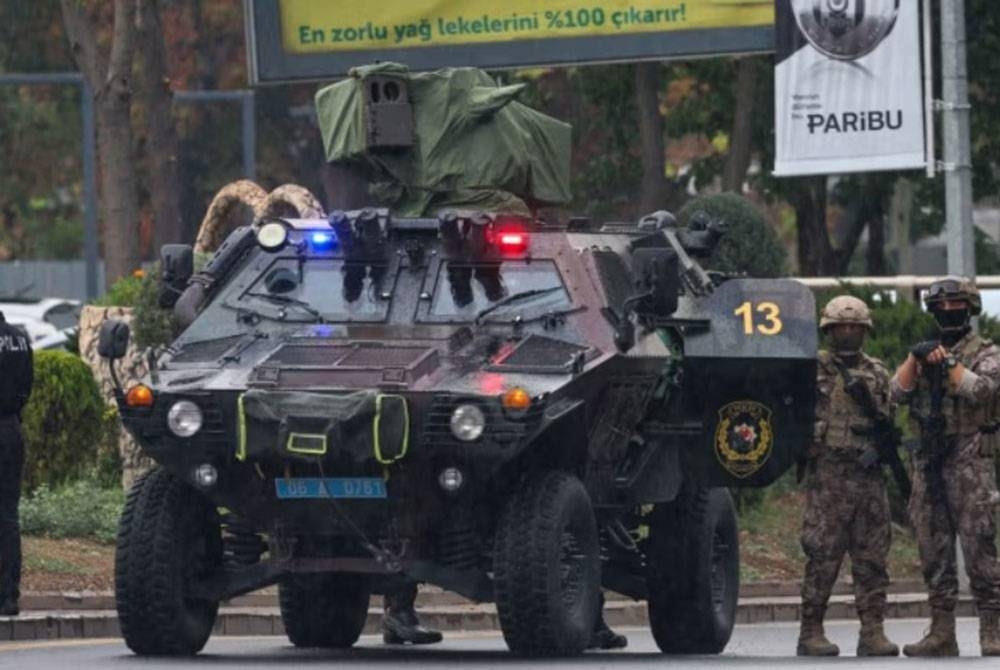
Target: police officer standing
16	376
847	509
950	386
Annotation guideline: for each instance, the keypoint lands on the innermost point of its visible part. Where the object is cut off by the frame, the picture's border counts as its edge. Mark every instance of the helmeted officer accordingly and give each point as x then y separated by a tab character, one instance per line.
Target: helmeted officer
847	508
951	388
16	377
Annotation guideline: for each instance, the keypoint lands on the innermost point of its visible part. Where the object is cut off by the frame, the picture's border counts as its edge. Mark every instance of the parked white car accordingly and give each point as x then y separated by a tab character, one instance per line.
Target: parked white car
49	322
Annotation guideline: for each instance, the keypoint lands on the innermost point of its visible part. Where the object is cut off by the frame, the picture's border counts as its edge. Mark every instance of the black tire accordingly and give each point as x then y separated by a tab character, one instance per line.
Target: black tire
168	538
546	567
322	610
693	578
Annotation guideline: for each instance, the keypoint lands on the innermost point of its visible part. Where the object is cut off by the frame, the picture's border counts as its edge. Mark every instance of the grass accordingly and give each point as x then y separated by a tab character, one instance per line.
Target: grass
769	539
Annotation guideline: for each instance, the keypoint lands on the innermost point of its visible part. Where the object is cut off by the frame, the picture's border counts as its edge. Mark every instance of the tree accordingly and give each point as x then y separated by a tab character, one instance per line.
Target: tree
161	134
108	71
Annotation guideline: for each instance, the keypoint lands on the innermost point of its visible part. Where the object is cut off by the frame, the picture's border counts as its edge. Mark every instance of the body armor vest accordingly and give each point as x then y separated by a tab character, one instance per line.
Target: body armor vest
841	424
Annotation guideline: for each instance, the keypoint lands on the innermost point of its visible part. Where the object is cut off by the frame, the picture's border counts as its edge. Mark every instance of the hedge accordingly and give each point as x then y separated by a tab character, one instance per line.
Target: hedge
66	423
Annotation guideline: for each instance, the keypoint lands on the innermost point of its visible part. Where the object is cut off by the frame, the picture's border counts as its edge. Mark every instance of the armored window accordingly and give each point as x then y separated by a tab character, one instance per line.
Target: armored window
339	290
462	289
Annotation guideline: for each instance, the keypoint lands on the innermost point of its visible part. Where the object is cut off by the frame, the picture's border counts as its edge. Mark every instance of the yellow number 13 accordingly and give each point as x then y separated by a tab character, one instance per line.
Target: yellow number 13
771	314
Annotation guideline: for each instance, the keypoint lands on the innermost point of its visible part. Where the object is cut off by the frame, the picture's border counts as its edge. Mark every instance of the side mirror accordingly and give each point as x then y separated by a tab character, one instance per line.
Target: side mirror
657	272
112	341
176	268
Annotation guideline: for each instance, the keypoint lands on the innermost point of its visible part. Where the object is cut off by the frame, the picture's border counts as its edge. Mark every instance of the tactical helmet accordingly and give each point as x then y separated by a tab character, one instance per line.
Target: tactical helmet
954	288
845	309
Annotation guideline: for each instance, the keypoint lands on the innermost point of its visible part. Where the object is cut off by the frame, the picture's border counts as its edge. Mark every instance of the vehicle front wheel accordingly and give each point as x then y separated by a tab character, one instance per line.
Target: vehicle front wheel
546	567
168	539
693	578
323	610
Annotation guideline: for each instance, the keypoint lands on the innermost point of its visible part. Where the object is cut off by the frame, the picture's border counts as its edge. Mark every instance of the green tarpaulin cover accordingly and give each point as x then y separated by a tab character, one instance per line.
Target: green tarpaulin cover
476	147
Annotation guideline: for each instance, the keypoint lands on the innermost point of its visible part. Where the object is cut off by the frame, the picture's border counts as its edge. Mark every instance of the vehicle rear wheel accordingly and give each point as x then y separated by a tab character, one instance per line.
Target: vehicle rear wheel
546	567
323	610
693	577
168	539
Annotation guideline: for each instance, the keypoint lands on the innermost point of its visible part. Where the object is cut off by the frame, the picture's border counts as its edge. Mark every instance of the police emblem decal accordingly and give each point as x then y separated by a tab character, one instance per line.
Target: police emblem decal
743	437
845	29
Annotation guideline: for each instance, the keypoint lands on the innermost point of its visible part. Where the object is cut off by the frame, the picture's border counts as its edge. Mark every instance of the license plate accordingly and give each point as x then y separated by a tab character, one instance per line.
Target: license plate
330	487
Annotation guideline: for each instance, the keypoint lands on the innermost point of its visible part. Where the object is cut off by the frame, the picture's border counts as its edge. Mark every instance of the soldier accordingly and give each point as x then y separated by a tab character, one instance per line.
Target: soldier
847	509
950	387
16	376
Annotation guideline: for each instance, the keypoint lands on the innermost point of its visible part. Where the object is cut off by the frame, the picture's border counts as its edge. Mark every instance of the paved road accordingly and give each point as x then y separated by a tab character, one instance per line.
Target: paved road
765	646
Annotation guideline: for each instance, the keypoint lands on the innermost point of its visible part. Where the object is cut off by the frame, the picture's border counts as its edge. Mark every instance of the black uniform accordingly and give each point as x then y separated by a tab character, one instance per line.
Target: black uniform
16	376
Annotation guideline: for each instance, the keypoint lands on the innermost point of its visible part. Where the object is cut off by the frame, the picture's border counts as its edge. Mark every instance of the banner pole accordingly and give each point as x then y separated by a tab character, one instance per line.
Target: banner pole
929	90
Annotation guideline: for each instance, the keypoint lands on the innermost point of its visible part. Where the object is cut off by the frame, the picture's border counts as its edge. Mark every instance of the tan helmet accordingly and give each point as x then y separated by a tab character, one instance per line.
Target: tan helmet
845	309
954	288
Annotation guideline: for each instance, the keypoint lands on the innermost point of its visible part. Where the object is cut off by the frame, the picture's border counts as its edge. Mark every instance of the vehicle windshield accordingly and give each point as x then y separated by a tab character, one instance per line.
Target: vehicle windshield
288	290
464	290
337	290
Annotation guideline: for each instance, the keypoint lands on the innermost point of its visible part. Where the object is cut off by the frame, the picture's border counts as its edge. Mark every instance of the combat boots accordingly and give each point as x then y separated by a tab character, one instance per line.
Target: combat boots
812	640
939	640
872	640
989	632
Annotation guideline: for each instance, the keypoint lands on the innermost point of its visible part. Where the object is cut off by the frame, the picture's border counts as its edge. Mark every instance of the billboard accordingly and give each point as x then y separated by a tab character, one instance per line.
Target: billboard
292	40
848	89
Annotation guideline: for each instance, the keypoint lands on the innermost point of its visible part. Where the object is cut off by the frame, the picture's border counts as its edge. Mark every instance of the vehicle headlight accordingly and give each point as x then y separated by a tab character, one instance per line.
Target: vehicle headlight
184	418
467	422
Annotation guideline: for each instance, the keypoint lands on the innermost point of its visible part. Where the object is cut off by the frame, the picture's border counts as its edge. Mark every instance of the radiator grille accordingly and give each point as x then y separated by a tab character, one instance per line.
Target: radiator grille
203	352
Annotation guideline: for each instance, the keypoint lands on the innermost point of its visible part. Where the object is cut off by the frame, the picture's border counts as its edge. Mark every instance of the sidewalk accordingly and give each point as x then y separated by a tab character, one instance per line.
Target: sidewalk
92	615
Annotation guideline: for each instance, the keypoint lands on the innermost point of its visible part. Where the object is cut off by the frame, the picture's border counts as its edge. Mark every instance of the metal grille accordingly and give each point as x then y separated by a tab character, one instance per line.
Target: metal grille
542	351
210	350
309	354
384	357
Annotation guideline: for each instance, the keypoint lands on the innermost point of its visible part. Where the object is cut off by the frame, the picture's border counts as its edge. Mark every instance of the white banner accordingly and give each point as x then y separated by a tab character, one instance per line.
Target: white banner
848	94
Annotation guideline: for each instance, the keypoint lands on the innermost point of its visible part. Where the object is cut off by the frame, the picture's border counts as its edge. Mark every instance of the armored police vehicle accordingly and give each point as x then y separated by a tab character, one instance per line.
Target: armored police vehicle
515	411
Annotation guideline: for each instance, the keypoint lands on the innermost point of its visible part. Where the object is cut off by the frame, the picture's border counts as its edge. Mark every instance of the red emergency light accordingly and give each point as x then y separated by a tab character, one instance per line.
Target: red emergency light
512	241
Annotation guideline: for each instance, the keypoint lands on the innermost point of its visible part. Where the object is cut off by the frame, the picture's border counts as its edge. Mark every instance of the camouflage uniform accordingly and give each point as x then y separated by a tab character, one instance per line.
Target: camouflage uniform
966	505
847	509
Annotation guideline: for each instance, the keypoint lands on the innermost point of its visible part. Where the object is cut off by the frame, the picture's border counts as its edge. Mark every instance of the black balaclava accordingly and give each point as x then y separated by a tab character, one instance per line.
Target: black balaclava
847	345
953	324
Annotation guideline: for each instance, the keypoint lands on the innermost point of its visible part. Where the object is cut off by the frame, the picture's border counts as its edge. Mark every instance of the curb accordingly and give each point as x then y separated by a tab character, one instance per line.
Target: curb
70	601
241	621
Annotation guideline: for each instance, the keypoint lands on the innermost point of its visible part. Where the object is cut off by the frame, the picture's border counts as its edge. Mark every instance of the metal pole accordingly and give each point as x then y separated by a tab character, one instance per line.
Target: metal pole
90	232
957	150
249	136
929	91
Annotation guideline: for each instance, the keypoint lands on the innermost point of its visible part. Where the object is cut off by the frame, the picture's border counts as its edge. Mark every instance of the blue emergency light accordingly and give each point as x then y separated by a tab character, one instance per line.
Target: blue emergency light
322	241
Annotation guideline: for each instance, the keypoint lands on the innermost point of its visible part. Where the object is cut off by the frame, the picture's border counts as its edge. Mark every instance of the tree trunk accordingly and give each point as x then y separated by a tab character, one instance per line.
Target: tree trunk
741	137
161	144
876	246
815	253
109	74
655	189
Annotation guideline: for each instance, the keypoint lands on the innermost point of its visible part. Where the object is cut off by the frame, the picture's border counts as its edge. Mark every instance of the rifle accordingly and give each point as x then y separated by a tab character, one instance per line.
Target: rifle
932	443
886	435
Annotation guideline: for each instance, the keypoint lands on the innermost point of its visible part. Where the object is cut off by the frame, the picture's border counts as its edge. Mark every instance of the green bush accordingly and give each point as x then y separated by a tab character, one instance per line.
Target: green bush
123	293
64	421
81	509
151	325
749	245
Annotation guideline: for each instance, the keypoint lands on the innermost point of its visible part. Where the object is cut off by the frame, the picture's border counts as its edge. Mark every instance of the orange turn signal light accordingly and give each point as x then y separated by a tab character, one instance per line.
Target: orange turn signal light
516	398
139	396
